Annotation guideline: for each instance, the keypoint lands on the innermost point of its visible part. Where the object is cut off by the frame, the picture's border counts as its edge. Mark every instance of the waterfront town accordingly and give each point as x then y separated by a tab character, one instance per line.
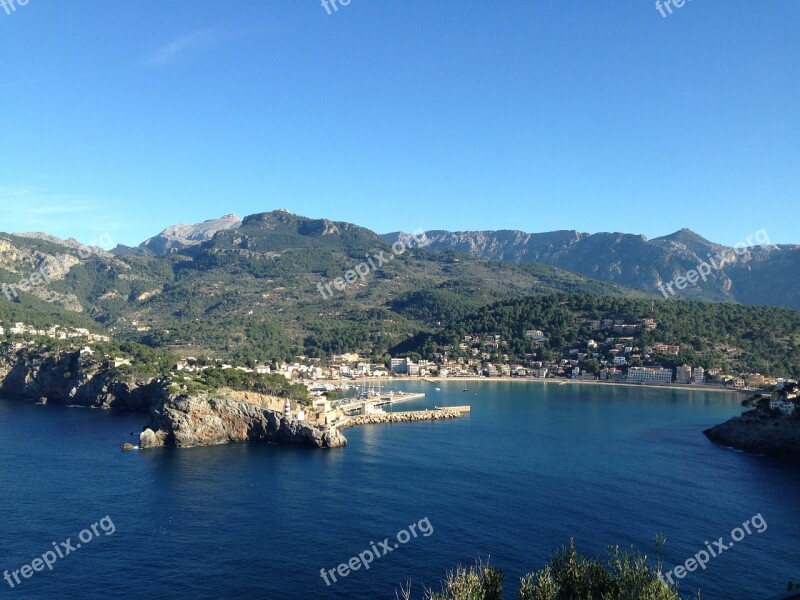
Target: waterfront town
611	355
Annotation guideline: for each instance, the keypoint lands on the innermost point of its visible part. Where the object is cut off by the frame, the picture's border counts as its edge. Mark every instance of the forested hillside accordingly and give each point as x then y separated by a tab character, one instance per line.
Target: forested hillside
757	339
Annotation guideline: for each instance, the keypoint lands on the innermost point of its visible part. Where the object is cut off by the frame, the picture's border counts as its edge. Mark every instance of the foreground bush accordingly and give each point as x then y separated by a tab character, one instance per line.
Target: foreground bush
568	576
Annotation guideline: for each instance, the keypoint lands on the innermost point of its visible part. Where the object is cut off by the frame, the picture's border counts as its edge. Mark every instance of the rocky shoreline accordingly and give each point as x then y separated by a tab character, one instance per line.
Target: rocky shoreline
774	436
72	379
184	421
179	420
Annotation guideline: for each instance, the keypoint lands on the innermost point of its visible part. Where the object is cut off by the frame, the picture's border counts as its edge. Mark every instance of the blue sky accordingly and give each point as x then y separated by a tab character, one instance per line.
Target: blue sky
126	117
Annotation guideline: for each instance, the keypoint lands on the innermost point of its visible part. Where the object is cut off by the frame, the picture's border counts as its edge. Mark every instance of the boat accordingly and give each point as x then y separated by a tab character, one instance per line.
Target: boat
465	390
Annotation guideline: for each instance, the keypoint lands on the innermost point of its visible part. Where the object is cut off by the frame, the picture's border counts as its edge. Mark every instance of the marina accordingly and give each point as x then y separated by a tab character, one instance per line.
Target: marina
374	403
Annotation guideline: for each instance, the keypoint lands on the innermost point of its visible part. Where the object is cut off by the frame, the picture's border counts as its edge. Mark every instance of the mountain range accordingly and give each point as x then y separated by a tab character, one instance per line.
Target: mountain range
631	260
754	275
254	287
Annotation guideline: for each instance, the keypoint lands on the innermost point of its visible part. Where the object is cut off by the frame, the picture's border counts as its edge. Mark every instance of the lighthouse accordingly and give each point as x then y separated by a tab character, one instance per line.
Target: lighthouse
287	409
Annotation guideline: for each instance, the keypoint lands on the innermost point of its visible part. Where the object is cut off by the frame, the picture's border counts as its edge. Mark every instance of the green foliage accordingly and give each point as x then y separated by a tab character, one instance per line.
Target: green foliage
370	332
270	384
624	575
146	361
438	305
40	314
538	586
464	584
492	583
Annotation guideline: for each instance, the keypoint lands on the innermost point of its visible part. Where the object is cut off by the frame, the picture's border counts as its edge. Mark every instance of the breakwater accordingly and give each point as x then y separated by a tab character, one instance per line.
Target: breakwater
400	417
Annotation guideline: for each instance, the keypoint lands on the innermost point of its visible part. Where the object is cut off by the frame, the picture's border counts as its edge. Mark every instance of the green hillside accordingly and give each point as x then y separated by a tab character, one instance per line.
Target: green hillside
740	338
253	293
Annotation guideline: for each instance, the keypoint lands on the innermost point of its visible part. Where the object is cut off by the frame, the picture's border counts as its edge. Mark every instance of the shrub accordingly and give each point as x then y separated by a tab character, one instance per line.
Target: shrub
624	575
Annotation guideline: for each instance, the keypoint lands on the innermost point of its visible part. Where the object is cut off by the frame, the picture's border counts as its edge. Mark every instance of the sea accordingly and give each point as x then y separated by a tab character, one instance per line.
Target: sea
532	467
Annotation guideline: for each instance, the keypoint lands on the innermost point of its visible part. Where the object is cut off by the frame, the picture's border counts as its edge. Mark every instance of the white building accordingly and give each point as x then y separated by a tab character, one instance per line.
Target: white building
537	335
649	375
699	375
787	408
683	374
371	409
404	365
364	368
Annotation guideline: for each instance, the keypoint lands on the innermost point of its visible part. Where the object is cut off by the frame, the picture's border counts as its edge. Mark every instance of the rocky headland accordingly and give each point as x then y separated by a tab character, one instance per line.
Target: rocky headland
203	420
72	379
177	417
759	433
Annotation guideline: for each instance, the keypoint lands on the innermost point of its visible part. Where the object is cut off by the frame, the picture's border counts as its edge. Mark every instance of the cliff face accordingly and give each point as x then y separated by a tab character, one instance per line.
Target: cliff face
759	434
184	421
69	378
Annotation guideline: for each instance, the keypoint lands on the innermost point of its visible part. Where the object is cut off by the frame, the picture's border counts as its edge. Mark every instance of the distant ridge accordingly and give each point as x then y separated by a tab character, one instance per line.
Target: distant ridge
177	237
634	261
631	260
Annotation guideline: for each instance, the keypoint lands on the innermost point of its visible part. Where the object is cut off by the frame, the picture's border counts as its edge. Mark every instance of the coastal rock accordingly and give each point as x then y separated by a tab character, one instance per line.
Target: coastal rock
150	439
777	436
185	421
69	378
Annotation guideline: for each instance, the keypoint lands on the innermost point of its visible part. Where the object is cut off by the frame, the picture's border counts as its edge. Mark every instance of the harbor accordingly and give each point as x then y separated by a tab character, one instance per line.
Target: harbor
374	403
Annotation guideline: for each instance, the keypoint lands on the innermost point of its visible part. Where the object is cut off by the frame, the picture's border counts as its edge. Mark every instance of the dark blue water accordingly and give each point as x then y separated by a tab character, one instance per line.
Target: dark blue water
530	468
